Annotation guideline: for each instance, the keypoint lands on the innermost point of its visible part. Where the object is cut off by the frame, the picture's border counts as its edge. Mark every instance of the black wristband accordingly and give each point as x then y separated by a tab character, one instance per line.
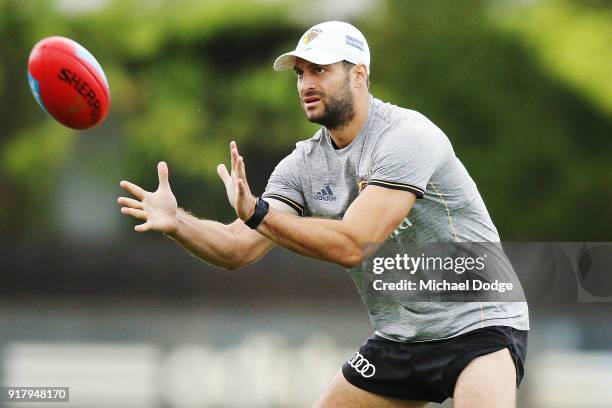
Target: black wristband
261	209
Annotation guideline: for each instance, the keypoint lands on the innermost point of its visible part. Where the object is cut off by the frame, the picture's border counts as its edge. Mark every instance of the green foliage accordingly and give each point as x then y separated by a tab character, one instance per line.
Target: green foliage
527	109
534	145
571	41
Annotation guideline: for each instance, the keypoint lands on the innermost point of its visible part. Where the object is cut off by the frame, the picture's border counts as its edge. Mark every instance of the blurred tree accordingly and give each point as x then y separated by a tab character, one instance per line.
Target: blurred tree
188	76
570	39
538	150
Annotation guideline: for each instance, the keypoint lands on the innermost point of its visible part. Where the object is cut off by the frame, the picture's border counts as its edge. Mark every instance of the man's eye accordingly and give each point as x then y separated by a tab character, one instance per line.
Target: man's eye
319	70
298	74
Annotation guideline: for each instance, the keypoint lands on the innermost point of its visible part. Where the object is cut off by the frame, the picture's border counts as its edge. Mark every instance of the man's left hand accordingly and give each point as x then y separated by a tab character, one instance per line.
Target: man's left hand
236	185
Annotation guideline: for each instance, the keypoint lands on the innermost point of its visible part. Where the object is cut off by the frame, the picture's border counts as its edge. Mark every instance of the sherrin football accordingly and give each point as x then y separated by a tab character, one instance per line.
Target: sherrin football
68	82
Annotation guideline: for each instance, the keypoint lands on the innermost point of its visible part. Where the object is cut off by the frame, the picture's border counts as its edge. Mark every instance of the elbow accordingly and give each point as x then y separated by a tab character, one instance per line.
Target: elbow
351	257
231	266
237	261
234	265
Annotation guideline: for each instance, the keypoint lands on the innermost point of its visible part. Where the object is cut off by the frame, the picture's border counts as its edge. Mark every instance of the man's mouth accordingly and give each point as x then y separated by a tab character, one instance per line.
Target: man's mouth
311	101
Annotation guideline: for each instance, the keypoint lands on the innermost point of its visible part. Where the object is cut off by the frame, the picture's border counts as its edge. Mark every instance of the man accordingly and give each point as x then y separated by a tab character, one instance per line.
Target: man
374	172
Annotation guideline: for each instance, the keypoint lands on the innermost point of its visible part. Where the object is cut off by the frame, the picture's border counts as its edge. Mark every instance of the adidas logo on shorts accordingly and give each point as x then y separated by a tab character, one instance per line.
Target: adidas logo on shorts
326	194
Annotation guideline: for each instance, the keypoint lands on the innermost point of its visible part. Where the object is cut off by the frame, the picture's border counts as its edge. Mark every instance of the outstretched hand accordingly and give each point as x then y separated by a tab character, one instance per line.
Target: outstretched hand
236	185
157	209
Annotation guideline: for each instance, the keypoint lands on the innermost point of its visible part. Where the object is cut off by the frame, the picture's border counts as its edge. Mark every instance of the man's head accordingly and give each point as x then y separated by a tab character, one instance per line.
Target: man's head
332	64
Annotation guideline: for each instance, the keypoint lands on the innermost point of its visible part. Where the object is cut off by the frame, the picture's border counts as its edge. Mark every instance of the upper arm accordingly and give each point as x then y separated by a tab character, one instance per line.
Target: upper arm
377	212
408	156
402	166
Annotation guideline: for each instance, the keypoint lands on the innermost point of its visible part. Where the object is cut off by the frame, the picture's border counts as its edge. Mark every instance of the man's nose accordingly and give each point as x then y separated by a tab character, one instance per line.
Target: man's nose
306	84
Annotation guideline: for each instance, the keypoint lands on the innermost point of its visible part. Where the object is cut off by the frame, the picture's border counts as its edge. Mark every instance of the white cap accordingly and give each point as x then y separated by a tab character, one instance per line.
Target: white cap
328	43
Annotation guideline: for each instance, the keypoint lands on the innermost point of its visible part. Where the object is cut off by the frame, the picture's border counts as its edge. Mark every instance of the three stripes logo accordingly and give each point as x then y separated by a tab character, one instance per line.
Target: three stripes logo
326	194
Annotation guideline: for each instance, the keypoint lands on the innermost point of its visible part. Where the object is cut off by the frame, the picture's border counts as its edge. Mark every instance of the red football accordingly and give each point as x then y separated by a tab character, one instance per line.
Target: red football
68	82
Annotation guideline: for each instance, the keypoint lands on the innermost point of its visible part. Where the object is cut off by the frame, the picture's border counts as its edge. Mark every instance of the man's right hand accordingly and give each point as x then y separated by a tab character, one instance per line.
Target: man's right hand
156	209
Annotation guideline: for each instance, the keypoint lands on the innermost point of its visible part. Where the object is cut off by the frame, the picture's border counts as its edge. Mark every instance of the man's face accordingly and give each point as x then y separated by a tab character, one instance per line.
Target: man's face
325	93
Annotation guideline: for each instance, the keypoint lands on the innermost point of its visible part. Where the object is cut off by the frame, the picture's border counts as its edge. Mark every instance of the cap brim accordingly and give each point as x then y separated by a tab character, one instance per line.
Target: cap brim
317	56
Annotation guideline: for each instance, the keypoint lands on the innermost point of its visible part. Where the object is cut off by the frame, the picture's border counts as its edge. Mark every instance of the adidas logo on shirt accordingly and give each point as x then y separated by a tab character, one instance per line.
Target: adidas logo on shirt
326	194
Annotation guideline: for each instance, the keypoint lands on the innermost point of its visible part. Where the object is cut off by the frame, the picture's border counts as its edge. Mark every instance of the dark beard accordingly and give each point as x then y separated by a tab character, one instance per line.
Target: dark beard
339	109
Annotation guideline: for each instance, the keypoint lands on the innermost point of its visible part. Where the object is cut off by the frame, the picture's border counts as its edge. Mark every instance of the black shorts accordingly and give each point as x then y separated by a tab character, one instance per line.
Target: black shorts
428	371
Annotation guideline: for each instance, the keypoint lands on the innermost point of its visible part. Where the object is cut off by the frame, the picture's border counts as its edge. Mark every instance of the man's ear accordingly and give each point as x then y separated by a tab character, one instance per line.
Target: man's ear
360	75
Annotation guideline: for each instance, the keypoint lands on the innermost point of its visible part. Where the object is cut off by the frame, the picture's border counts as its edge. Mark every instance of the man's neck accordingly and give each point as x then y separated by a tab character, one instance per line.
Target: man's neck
343	137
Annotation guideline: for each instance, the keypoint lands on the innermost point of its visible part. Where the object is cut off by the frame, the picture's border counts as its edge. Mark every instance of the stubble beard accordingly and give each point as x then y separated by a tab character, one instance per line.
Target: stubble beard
339	109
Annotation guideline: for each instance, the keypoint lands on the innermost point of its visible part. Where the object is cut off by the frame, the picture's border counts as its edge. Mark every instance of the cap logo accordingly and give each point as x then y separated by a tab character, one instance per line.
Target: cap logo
311	35
354	42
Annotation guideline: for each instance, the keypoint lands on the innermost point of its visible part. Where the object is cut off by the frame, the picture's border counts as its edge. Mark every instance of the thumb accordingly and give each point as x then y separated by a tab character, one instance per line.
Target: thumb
223	173
162	172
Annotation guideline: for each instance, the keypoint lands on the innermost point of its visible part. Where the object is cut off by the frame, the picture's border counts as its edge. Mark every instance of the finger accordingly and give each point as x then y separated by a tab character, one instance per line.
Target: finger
143	227
162	173
133	189
244	194
242	170
241	188
240	167
234	150
234	162
129	202
223	174
133	212
232	147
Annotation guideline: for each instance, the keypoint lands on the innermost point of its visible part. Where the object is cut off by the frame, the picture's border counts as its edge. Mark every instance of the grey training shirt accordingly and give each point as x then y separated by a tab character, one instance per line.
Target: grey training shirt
401	149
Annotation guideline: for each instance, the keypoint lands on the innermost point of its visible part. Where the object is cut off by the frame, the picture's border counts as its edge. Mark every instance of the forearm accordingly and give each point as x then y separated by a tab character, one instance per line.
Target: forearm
210	241
328	240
